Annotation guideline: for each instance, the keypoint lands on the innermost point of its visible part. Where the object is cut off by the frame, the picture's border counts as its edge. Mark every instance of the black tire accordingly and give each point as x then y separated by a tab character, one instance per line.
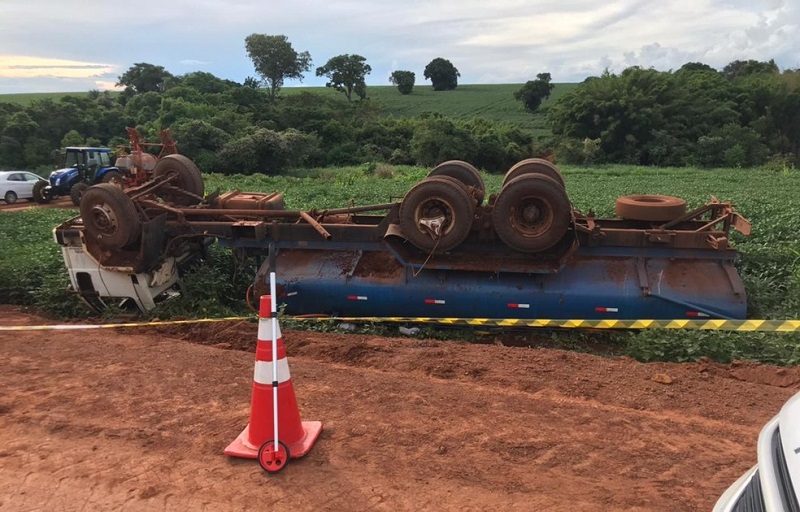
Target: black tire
109	216
76	192
531	213
10	197
188	178
653	208
464	172
39	195
115	178
434	198
534	166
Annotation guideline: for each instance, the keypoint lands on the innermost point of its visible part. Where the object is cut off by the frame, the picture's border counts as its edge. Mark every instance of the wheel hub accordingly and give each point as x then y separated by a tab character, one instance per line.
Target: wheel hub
104	218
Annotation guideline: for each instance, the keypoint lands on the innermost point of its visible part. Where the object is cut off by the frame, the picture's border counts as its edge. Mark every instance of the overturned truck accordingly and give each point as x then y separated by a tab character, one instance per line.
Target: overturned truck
444	250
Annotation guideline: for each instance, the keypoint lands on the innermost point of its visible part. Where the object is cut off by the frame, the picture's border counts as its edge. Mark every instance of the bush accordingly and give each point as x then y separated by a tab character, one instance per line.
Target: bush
267	151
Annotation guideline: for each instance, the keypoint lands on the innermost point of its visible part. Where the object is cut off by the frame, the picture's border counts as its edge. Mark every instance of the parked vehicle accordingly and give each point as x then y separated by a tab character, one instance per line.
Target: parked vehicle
83	167
772	485
18	185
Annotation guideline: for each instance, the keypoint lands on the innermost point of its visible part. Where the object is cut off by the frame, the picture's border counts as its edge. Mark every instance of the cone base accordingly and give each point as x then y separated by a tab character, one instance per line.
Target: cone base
243	449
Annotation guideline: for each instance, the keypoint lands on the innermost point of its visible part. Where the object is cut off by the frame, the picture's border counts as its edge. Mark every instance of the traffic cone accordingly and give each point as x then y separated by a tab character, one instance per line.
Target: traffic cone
298	436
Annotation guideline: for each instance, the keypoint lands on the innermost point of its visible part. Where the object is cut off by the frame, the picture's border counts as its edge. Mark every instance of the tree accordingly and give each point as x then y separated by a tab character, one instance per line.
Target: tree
276	60
742	68
442	74
404	80
346	74
692	67
535	91
143	77
72	138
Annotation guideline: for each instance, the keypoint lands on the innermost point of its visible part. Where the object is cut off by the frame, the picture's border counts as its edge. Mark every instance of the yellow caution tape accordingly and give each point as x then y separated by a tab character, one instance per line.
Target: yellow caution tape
702	325
80	327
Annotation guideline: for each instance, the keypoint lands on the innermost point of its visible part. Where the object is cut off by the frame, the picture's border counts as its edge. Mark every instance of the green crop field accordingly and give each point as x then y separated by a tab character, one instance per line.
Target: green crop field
28	98
31	271
494	102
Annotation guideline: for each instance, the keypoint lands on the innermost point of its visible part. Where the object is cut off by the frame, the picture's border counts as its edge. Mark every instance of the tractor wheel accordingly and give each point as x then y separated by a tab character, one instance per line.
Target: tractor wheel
436	214
465	173
187	177
115	178
531	213
109	216
11	197
76	192
534	166
650	208
39	194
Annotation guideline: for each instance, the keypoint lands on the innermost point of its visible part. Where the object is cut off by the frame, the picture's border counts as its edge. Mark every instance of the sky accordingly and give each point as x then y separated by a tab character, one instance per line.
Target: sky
63	46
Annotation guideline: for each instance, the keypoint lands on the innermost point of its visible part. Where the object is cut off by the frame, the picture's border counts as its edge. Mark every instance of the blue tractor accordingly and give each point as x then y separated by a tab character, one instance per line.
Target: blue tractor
83	167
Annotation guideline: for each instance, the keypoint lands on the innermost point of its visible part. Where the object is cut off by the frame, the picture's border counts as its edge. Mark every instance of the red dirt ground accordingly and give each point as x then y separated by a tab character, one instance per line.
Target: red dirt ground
137	420
24	204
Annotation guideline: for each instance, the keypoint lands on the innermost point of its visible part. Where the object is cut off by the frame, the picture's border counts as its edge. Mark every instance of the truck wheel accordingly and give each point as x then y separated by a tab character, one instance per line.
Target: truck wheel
436	214
115	178
109	216
531	213
464	172
534	166
188	178
39	193
650	207
11	197
76	192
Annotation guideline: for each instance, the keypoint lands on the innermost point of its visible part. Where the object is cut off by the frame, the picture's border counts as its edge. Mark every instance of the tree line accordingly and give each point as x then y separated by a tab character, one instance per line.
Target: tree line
239	128
739	116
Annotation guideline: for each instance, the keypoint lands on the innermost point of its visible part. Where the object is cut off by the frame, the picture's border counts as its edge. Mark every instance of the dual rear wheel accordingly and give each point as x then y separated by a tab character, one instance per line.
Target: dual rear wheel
531	213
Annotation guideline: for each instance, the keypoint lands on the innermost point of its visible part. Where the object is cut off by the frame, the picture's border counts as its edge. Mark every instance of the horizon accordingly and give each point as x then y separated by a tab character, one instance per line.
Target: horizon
508	42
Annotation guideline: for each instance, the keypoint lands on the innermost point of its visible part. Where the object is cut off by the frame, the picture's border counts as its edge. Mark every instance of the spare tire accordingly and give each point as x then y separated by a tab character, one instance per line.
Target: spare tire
436	214
653	208
534	166
464	172
109	216
531	213
186	177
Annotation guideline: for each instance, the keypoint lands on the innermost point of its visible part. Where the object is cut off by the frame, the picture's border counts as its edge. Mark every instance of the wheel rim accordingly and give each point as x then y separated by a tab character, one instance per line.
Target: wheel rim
271	460
104	219
434	217
531	216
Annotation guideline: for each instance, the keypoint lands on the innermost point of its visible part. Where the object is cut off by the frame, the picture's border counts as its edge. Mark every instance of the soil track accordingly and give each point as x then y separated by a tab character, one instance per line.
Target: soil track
24	204
137	420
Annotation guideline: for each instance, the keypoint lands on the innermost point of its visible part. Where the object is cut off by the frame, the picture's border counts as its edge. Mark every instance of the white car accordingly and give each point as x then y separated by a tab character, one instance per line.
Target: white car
772	485
17	185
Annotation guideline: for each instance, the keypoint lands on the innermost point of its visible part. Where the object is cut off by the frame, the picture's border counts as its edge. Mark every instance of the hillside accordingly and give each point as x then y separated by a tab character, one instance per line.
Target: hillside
492	101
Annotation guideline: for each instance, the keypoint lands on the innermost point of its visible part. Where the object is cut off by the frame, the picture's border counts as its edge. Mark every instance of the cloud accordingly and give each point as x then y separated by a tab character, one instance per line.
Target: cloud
194	63
21	66
505	41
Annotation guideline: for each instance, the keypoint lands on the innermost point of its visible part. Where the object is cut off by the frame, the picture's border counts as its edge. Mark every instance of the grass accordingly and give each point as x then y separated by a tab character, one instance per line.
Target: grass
31	271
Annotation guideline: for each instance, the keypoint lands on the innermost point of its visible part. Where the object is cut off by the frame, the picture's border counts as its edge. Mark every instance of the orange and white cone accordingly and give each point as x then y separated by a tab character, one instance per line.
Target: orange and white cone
295	435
